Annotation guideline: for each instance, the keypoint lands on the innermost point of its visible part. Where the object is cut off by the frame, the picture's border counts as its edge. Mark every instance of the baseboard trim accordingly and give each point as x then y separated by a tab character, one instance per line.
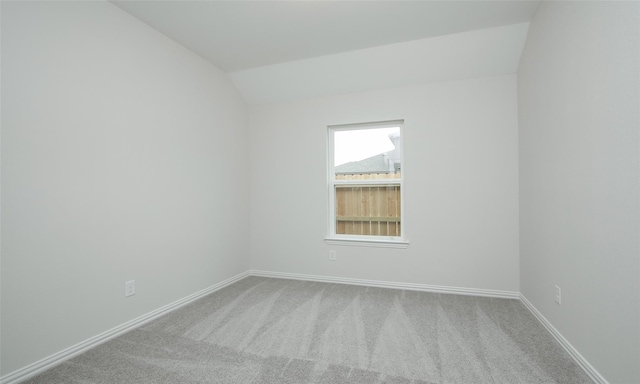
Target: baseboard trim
577	357
390	284
57	358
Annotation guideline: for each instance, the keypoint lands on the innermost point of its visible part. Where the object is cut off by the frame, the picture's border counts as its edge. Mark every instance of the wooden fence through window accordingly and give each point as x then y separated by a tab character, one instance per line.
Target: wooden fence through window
368	209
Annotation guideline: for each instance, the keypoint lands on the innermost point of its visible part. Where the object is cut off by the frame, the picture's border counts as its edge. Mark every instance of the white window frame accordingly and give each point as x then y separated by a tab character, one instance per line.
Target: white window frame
363	240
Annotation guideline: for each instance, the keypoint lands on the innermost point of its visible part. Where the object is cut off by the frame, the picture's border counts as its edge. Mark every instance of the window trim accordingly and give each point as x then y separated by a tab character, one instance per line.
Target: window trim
363	240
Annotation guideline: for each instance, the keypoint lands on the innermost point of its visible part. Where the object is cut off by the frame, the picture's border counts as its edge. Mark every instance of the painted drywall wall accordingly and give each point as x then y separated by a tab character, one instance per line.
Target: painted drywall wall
124	157
481	53
461	185
578	86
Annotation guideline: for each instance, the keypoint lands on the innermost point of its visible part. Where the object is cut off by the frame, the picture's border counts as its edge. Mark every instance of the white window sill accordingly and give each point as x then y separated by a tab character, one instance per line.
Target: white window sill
368	242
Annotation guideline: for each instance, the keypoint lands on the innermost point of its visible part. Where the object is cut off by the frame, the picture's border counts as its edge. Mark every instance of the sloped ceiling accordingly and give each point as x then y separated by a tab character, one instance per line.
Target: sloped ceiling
487	52
347	44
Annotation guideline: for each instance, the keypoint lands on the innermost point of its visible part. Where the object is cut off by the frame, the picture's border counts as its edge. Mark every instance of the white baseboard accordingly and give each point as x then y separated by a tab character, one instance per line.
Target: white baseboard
57	358
390	284
577	357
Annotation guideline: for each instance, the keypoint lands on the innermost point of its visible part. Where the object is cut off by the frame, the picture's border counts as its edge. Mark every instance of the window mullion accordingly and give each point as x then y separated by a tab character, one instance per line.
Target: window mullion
368	182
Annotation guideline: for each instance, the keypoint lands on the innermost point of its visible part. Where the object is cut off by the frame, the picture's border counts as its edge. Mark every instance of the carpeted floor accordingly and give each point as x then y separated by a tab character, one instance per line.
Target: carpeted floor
263	330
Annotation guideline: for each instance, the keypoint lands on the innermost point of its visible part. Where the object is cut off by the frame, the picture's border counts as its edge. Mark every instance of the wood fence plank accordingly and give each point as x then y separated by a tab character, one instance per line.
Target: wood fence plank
368	209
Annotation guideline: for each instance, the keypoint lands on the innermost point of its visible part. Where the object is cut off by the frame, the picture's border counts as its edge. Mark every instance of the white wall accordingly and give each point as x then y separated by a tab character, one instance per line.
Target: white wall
124	156
461	181
578	86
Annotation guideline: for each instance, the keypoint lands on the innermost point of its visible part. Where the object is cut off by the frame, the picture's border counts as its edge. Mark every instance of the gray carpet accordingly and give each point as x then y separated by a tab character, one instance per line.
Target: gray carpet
263	330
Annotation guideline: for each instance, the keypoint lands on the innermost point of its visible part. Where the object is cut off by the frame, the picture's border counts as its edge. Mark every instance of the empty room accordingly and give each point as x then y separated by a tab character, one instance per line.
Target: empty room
320	192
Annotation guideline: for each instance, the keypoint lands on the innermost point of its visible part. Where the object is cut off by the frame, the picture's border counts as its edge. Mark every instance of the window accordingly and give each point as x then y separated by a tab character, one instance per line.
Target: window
365	184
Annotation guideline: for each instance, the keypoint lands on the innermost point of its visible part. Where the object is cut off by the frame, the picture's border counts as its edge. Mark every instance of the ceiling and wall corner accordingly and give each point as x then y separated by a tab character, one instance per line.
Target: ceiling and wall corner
239	35
283	51
487	52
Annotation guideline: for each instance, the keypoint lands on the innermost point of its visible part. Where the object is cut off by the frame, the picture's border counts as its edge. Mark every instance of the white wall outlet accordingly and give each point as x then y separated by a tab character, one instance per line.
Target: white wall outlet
558	295
130	288
332	255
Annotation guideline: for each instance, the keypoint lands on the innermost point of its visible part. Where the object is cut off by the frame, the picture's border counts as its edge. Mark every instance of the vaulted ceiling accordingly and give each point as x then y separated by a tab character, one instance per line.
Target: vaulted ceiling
264	43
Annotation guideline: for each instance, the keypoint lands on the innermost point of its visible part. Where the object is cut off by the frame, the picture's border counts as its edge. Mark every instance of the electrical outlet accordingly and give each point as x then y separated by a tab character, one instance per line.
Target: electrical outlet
558	295
130	288
332	255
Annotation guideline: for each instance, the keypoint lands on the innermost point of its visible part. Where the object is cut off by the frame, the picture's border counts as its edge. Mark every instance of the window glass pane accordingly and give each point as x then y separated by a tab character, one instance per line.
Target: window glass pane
367	153
368	210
